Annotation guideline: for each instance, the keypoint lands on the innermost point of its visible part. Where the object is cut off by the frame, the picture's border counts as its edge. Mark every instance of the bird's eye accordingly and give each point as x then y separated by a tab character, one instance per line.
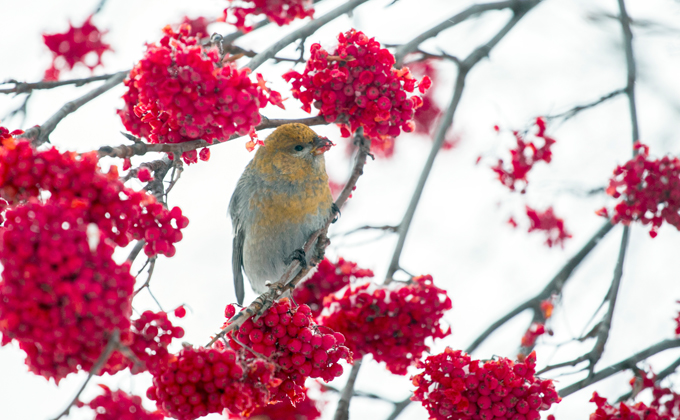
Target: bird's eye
299	148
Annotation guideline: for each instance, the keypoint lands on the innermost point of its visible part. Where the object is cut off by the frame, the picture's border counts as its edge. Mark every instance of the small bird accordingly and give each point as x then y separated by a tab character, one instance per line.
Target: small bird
281	198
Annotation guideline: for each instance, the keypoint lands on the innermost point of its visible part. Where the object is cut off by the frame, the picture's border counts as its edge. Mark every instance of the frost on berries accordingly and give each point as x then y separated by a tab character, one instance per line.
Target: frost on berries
118	405
289	337
391	324
547	222
649	190
61	293
358	85
328	278
525	156
453	386
281	12
73	46
182	92
307	409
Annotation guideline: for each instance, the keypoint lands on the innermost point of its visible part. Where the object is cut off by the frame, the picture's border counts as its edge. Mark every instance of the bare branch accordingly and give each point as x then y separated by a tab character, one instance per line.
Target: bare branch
23	87
140	148
342	412
553	287
39	135
444	124
152	265
575	110
628	363
135	250
630	68
290	279
399	407
114	342
385	228
670	369
466	14
303	32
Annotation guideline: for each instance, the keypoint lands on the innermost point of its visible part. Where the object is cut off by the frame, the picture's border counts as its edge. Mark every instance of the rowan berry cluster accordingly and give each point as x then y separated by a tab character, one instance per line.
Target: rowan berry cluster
148	339
73	180
199	381
453	386
649	190
357	83
281	12
552	225
181	92
637	411
537	329
390	324
307	409
524	156
72	47
198	27
328	278
300	349
61	292
118	405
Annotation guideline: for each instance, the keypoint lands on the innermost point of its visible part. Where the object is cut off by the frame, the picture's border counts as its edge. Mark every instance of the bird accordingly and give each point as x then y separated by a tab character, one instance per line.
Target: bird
281	198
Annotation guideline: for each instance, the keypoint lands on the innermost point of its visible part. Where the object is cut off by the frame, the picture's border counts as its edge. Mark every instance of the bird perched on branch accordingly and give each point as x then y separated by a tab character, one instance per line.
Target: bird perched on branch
281	198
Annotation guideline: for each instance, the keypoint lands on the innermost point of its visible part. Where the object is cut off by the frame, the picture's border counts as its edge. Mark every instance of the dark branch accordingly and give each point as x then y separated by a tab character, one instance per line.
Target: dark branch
444	124
303	32
342	412
39	135
23	87
620	367
630	69
553	287
399	407
575	110
670	369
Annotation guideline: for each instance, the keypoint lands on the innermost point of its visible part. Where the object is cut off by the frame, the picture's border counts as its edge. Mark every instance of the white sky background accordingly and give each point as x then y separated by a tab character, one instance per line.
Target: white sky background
555	58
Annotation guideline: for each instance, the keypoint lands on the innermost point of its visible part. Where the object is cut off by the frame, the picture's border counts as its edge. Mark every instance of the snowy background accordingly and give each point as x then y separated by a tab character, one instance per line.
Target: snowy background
563	53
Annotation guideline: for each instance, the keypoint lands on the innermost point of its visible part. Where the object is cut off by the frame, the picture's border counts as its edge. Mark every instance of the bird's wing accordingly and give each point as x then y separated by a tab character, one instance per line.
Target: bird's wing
237	211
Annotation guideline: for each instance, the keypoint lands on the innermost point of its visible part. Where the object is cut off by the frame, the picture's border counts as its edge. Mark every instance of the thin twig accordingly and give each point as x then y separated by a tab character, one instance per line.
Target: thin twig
628	363
23	87
575	110
630	69
385	228
399	407
290	279
140	148
303	32
670	369
152	265
342	412
554	286
445	123
357	393
135	250
40	134
466	14
112	345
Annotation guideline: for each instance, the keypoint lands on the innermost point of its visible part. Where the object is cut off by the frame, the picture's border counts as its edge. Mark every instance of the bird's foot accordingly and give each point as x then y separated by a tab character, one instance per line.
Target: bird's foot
298	254
336	212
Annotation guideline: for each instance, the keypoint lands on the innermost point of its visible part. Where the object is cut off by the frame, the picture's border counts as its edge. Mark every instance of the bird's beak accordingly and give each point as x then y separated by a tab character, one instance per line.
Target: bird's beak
321	145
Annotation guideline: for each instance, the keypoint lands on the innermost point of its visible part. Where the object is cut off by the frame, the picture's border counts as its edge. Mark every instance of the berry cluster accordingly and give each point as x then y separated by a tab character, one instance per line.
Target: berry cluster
291	339
73	180
198	28
650	191
73	46
307	409
524	156
328	278
452	386
281	12
180	92
117	405
357	83
199	381
637	411
537	329
391	325
148	339
552	225
61	292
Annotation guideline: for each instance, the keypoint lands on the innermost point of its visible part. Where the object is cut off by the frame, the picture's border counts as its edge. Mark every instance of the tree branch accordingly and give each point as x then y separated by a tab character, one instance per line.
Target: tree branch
39	135
114	342
399	407
670	369
476	9
290	279
141	148
630	68
303	32
621	366
553	287
575	110
342	412
23	87
444	124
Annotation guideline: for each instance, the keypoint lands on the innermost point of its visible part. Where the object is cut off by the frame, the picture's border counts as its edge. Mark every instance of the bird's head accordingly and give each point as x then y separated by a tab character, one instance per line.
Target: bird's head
293	149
